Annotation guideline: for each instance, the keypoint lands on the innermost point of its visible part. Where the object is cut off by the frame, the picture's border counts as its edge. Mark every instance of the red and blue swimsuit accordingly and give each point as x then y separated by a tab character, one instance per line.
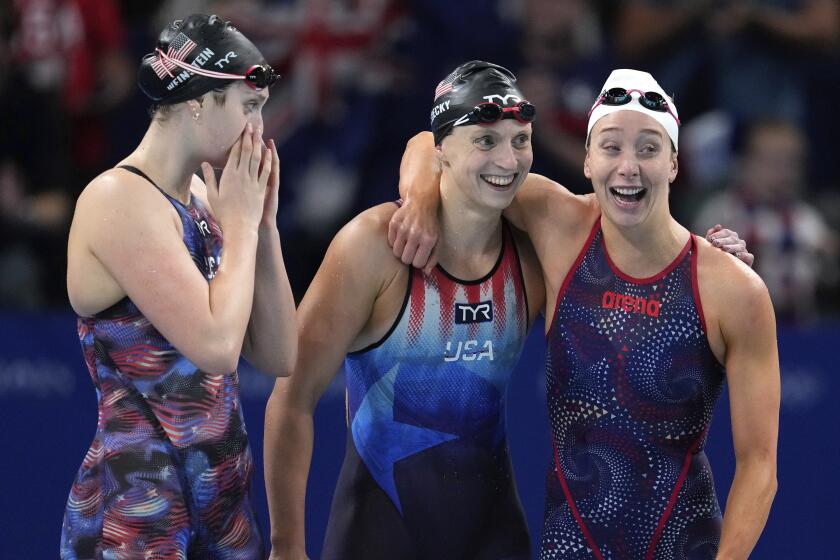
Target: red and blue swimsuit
631	384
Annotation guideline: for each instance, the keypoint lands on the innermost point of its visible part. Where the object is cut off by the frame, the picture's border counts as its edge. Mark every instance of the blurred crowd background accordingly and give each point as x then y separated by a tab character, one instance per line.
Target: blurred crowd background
756	83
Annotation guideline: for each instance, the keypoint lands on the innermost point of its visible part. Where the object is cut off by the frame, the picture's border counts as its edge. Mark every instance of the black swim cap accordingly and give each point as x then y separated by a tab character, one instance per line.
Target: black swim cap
205	42
468	85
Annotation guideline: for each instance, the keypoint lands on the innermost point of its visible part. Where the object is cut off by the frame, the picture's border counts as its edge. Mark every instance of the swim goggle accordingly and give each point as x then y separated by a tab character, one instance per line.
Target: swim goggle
648	99
489	113
258	76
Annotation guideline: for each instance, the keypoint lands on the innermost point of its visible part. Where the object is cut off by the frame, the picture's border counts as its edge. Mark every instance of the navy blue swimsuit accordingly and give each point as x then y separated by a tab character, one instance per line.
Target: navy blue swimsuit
631	384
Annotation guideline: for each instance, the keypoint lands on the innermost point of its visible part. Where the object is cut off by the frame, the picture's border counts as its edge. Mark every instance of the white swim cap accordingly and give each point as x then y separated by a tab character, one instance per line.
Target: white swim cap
636	84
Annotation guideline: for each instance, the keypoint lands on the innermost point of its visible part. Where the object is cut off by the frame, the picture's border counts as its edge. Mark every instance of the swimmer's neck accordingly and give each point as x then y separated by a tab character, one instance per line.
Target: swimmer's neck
644	250
166	158
467	231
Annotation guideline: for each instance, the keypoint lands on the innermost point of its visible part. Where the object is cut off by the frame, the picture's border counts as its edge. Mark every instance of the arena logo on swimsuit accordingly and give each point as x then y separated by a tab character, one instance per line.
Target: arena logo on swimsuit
630	304
466	351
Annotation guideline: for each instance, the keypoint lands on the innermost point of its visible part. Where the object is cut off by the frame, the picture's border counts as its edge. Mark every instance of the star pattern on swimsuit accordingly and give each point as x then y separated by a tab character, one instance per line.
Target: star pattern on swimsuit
380	447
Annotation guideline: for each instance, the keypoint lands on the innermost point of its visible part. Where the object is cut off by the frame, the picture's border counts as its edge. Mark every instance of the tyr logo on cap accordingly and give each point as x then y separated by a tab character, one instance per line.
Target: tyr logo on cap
225	59
502	99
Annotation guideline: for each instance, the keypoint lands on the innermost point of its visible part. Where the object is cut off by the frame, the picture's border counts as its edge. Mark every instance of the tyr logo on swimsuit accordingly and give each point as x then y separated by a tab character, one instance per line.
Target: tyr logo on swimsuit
466	313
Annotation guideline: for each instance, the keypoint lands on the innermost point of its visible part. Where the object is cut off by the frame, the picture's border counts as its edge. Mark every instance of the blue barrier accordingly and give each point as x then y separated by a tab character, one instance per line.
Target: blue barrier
49	417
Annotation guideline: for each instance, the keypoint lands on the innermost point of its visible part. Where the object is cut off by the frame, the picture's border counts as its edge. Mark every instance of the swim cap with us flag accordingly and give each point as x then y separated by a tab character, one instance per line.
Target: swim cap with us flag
469	85
204	42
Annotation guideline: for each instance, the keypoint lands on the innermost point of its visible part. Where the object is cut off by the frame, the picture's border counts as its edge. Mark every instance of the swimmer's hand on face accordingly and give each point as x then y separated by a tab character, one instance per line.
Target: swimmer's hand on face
270	203
238	200
729	241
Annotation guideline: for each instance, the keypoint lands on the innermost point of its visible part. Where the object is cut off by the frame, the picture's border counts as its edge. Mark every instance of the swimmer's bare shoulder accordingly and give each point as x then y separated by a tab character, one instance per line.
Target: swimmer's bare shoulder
359	286
121	224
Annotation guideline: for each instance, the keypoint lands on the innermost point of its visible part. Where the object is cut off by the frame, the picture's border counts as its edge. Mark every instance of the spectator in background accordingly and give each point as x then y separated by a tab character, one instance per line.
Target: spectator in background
745	46
99	79
64	68
794	248
762	46
34	201
341	71
563	59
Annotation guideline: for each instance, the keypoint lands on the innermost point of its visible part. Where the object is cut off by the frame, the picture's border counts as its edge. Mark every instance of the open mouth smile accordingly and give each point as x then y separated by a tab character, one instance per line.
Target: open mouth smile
628	196
502	182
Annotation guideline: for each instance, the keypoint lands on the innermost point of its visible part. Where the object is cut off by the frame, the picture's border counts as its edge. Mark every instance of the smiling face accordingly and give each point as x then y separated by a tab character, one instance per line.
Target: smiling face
630	164
488	163
224	122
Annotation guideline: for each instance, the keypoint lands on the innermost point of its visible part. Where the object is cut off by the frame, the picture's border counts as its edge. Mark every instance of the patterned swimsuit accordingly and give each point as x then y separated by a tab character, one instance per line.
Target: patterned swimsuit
631	383
167	476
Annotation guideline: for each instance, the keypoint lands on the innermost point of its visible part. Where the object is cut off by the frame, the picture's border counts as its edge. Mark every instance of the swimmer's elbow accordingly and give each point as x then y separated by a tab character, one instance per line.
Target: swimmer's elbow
220	358
287	361
277	361
286	365
218	367
280	367
761	474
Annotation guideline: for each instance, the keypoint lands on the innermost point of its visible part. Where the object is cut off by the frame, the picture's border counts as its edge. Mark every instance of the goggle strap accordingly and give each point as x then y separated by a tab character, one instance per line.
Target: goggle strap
196	70
463	119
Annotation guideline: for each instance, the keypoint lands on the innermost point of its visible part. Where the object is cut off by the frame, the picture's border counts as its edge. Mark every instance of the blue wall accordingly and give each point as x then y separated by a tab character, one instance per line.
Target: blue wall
49	417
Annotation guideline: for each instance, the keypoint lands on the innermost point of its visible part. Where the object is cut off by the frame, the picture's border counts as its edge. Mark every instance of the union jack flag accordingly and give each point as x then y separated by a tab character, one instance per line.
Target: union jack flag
178	49
446	85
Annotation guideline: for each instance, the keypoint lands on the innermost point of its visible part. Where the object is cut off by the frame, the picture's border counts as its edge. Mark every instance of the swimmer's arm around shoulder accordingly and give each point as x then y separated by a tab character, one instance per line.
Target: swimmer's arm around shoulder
542	202
414	228
331	315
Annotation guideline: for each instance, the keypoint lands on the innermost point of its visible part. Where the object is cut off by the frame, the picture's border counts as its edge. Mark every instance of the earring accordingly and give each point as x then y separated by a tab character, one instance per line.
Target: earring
196	115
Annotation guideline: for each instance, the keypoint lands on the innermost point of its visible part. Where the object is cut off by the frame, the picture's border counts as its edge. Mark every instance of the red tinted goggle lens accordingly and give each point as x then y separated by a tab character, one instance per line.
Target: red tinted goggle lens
261	76
488	113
